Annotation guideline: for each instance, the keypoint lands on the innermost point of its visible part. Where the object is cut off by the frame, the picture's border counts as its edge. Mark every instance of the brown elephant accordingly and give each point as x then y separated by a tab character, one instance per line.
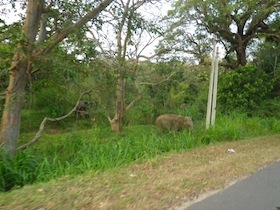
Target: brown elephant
172	122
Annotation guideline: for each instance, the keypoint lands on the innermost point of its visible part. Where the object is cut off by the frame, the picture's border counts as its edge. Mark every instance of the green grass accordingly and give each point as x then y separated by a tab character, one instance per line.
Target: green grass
99	149
163	182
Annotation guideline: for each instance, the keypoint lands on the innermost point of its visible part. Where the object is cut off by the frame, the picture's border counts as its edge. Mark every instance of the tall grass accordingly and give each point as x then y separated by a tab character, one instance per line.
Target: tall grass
99	149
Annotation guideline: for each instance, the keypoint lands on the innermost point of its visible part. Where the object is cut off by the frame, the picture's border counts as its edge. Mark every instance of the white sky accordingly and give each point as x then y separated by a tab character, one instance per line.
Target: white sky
11	16
159	8
163	9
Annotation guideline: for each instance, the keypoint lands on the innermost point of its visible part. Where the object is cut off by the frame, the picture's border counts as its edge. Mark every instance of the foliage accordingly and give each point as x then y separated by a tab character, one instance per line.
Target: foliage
267	58
19	172
182	172
235	23
8	40
171	87
243	88
268	108
100	149
54	76
186	46
183	93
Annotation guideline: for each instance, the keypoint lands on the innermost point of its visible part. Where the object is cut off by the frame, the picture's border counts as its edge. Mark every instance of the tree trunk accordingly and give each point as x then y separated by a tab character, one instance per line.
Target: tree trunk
21	68
241	54
117	122
11	117
43	28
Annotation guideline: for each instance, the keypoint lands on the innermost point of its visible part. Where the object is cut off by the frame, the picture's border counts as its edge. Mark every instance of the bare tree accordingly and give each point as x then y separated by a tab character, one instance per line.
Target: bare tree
132	34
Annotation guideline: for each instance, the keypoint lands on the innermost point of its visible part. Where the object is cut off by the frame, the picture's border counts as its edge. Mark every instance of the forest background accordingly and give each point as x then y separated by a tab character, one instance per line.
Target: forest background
61	53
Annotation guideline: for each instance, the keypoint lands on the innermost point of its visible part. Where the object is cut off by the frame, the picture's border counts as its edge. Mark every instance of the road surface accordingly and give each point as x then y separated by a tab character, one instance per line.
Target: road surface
261	191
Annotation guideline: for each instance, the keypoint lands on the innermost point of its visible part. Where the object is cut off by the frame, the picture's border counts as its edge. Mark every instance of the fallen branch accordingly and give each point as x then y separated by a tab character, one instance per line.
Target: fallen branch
42	125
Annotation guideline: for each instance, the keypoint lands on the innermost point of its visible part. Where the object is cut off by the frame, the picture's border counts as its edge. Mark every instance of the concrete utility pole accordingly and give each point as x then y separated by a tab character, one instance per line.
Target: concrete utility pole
213	84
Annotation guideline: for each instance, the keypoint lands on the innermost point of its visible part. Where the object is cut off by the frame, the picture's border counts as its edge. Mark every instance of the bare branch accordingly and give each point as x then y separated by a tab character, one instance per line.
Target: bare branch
62	34
42	125
157	83
48	8
162	51
109	118
129	106
96	39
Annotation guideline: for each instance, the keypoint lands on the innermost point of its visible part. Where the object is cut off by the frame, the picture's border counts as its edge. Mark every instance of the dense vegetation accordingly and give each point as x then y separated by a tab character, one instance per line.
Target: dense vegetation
136	90
98	148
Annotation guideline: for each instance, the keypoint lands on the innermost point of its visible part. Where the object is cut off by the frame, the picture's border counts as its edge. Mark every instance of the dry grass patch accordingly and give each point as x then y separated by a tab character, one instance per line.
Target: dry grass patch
161	183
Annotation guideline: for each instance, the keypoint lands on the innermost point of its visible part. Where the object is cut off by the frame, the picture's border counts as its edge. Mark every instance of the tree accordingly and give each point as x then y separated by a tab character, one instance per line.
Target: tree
124	50
8	41
182	44
244	88
235	22
21	67
267	58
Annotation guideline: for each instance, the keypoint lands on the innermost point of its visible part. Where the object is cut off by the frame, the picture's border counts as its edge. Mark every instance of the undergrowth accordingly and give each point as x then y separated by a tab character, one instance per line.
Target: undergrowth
99	149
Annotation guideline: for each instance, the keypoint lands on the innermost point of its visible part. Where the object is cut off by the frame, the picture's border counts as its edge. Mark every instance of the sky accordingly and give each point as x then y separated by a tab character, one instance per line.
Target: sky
159	8
11	16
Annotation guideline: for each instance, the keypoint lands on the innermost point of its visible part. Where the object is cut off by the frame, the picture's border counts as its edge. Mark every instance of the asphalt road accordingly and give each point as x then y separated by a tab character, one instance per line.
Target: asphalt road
261	191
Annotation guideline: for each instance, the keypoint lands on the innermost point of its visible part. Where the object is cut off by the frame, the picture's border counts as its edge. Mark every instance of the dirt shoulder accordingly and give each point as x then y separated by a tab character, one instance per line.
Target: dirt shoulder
166	182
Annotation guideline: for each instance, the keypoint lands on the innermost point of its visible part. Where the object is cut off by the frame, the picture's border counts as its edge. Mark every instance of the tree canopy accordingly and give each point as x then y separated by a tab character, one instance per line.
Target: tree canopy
236	23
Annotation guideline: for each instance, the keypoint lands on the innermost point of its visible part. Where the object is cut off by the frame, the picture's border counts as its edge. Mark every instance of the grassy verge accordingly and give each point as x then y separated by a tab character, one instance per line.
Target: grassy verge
162	182
98	149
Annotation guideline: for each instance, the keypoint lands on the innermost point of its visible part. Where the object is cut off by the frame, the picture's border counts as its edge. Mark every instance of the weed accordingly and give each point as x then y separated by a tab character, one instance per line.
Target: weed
20	171
99	149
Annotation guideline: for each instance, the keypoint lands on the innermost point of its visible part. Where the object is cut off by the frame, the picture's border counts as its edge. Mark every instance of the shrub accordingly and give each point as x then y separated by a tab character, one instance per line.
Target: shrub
19	171
54	101
144	112
243	88
267	108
